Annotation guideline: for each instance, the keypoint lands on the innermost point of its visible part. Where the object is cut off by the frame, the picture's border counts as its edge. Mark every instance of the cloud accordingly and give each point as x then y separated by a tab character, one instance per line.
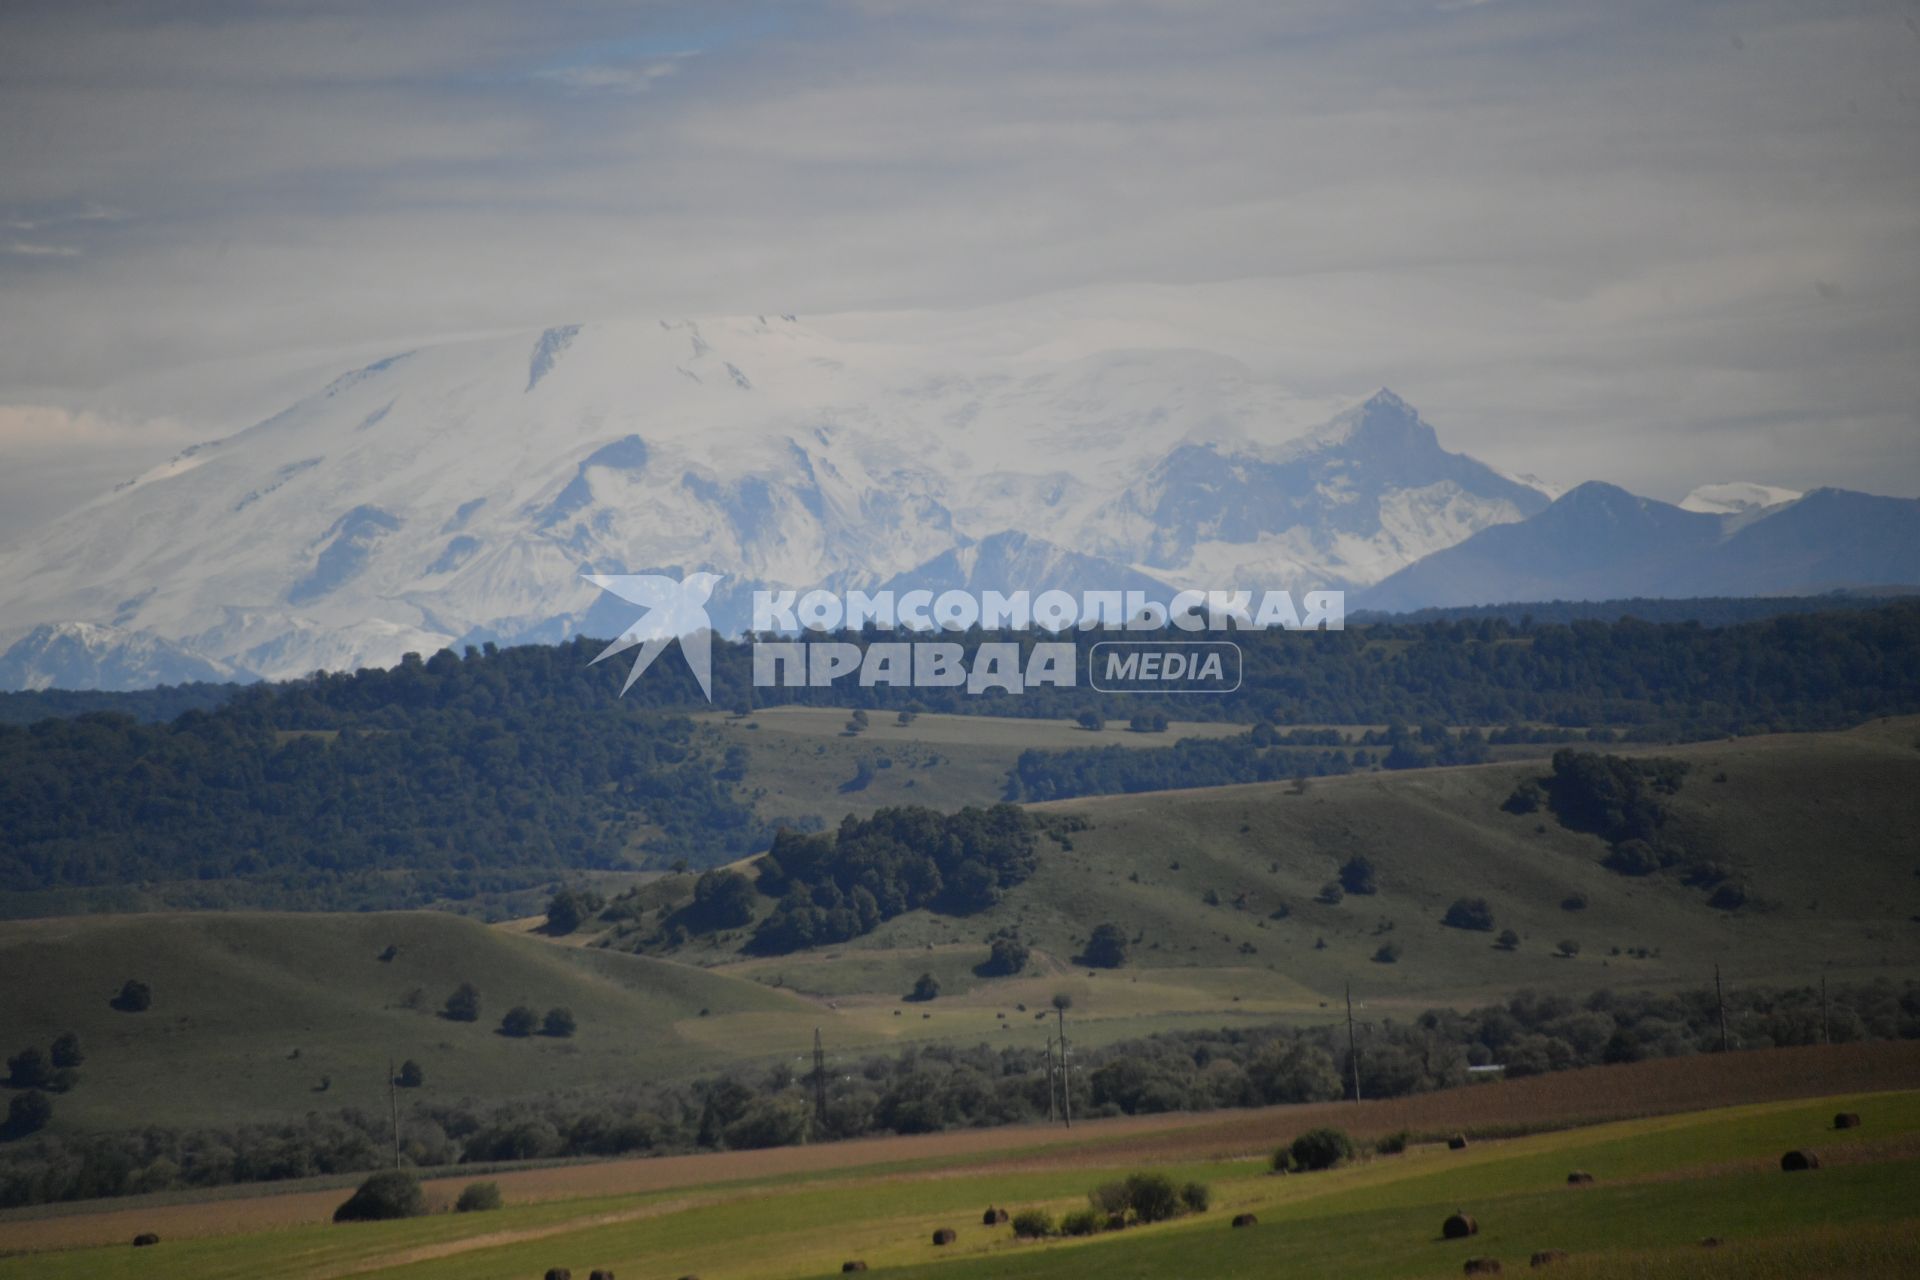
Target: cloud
1651	243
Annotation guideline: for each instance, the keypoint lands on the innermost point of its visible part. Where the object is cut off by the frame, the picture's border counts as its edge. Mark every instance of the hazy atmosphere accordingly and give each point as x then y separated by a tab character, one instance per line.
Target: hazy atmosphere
1655	244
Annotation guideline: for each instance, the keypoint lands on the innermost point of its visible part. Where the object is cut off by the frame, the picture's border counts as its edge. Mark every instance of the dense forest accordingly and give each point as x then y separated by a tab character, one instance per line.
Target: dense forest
923	1090
491	770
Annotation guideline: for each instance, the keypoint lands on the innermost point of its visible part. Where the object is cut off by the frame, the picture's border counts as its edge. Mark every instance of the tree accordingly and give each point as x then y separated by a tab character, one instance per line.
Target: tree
464	1004
558	1023
857	722
1357	875
1107	948
1062	1001
1152	1197
1508	940
65	1050
520	1021
925	987
1567	948
135	997
478	1197
388	1194
411	1075
722	899
1088	718
571	908
27	1113
1388	953
1469	913
1006	956
28	1069
1330	894
1315	1149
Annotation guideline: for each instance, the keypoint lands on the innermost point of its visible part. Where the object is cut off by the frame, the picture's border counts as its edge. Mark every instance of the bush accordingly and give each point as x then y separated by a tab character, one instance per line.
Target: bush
1006	957
1032	1224
721	900
478	1197
1107	948
1082	1222
1196	1197
1108	1198
1567	948
572	908
925	987
559	1023
388	1194
1388	953
1469	913
411	1075
1315	1149
1357	875
27	1113
1152	1197
135	997
65	1051
1393	1144
28	1069
464	1004
1330	894
1508	940
520	1021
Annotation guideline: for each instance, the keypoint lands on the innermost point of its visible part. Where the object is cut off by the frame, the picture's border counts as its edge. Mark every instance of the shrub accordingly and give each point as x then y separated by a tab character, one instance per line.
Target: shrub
27	1113
1526	798
411	1075
1082	1222
1315	1149
1388	953
1107	948
65	1051
1508	940
571	908
520	1021
1108	1198
1032	1224
464	1004
559	1022
1469	913
1357	875
1567	948
925	987
478	1197
1196	1197
1393	1144
1633	858
1574	902
1330	894
28	1069
388	1194
1006	957
135	997
1152	1197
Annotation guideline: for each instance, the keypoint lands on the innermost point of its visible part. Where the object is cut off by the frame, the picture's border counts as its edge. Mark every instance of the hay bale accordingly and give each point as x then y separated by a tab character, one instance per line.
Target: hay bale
945	1235
559	1273
855	1265
1799	1161
993	1217
1459	1225
1483	1266
1245	1220
601	1275
1578	1178
144	1239
1458	1142
1846	1120
1547	1257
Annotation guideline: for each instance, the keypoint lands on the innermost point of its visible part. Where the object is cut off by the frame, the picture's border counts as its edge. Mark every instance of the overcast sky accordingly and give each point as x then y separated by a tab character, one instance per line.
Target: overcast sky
1655	243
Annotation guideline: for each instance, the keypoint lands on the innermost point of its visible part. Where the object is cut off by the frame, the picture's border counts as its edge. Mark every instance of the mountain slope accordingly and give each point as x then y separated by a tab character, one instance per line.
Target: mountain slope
1600	542
456	493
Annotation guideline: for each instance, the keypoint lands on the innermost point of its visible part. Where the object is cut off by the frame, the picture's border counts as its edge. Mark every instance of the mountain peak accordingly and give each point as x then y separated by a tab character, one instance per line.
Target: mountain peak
1382	423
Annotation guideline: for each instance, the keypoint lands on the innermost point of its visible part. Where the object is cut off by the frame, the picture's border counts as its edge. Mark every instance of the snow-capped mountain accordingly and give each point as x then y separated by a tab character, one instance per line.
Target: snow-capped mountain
1736	497
457	492
83	655
1599	542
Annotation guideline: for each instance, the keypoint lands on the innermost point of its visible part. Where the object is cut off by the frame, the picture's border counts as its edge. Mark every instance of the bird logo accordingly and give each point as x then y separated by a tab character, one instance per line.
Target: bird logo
674	610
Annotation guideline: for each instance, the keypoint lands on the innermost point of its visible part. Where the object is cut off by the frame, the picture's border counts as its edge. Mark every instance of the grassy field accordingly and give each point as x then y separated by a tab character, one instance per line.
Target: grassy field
251	1011
800	757
1667	1177
1818	826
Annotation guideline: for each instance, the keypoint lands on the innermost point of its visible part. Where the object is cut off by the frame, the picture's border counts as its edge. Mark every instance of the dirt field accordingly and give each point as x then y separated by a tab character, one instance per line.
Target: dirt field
1502	1107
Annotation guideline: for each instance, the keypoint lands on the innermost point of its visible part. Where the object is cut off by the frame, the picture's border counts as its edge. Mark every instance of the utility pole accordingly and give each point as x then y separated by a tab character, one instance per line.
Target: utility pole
1826	1027
1353	1045
1066	1069
1720	1004
1053	1109
819	1085
393	1107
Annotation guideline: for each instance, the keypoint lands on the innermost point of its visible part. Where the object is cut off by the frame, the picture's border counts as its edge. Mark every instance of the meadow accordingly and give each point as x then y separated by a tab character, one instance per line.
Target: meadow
1695	1156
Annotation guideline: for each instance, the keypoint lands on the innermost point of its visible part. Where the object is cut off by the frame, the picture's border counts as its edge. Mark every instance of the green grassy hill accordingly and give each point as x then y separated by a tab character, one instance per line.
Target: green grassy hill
1818	827
250	1011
